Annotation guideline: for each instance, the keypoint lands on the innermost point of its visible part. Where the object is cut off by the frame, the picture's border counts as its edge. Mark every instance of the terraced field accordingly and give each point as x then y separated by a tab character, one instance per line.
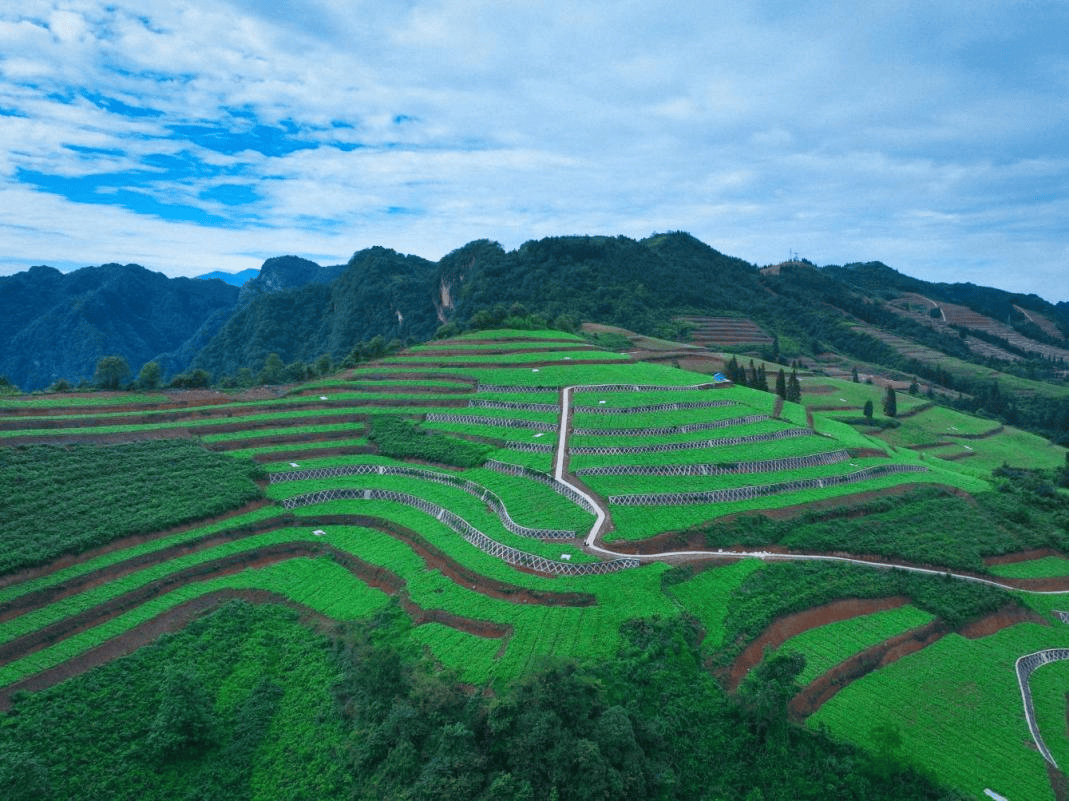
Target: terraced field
578	520
976	444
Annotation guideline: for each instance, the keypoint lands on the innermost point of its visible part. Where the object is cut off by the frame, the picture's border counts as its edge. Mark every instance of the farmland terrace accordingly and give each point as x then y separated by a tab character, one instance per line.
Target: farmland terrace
524	496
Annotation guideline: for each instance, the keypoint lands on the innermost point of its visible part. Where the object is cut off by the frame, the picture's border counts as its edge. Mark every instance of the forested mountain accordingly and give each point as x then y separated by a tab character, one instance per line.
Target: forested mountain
235	279
55	326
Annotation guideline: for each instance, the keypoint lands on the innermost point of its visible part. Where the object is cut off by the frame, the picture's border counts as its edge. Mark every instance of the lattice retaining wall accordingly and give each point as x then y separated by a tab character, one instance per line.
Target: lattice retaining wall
470	487
543	478
513	406
530	447
764	466
508	554
474	419
514	388
752	492
1025	665
638	388
655	431
656	407
666	447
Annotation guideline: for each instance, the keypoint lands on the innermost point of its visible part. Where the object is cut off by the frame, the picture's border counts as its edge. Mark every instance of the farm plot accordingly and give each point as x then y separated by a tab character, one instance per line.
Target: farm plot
95	494
958	711
640	522
614	486
472	511
262	517
467	654
827	646
508	357
1044	567
707	595
788	447
317	583
587	444
1048	685
531	502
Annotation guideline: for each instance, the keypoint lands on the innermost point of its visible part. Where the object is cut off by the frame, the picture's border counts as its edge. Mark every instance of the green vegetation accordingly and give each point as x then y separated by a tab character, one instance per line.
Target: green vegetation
783	588
609	663
246	702
826	646
400	438
65	500
970	722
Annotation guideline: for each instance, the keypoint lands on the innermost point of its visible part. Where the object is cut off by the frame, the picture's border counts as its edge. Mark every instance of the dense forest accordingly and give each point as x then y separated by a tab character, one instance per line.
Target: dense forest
377	720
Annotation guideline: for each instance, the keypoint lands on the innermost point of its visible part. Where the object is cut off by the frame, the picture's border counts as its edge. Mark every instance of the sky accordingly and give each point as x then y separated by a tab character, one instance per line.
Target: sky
194	136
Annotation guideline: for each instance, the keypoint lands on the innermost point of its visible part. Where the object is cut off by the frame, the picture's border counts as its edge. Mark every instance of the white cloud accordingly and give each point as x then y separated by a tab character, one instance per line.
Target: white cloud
930	137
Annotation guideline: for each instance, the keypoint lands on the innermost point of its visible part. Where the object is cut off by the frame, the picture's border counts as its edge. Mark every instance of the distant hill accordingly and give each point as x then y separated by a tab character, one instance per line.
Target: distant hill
234	279
55	325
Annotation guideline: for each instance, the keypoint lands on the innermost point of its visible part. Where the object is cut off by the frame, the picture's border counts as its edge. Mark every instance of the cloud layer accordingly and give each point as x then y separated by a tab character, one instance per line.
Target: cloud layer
191	136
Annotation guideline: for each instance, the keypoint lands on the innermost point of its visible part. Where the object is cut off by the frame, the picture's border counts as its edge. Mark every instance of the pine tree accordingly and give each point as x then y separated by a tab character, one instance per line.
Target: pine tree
890	402
781	384
794	389
854	376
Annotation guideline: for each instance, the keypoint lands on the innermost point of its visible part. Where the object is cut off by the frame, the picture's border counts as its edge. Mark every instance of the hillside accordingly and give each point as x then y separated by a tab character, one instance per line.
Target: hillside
989	351
709	561
55	326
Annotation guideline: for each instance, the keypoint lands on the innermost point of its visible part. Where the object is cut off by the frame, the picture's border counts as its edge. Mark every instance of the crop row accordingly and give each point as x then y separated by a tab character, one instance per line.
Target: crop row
970	731
718	468
533	503
492	499
800	443
737	493
782	477
640	522
317	583
466	530
826	646
760	432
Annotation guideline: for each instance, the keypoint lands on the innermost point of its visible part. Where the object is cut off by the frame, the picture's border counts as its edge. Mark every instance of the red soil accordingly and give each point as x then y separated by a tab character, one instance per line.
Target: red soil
786	627
820	690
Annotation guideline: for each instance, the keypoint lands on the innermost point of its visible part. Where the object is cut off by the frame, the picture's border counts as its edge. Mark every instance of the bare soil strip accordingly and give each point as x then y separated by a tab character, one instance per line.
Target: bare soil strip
432	557
373	575
788	626
824	687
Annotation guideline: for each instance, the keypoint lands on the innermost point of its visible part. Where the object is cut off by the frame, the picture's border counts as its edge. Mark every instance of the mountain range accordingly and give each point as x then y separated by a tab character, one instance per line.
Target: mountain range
56	326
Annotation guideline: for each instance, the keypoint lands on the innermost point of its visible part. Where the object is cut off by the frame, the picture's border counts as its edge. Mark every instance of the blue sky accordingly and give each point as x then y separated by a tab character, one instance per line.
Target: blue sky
195	136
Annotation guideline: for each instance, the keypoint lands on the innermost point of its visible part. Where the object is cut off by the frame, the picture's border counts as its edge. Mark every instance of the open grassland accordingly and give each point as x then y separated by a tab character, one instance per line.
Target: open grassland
113	538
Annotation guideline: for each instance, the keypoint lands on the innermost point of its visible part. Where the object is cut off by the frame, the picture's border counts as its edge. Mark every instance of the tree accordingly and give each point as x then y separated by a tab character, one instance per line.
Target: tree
273	370
111	371
914	387
781	384
867	411
890	402
854	376
794	389
185	719
150	376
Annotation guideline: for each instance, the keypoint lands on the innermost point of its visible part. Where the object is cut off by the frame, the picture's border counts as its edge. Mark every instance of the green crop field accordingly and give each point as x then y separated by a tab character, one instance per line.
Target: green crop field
106	535
827	646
